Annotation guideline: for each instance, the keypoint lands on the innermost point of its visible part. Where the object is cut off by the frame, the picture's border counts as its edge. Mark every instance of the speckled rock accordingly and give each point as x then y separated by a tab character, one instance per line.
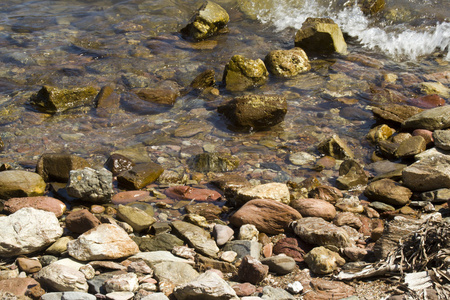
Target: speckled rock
90	185
243	73
287	63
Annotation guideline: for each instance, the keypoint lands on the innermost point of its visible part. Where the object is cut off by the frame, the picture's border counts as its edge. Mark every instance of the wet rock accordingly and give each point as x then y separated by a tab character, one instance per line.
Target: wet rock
137	218
117	163
242	73
380	133
323	261
204	80
431	119
215	162
140	175
222	234
287	63
431	88
347	218
335	147
317	231
90	185
28	230
301	158
208	285
19	287
182	192
442	139
134	103
428	174
207	21
320	35
252	270
107	102
268	216
280	264
158	96
41	202
243	248
105	241
62	278
410	147
208	210
57	166
28	265
80	221
255	112
18	183
327	193
396	113
428	101
173	274
130	196
271	191
351	174
436	196
52	100
122	283
371	7
196	237
350	204
388	191
160	242
314	208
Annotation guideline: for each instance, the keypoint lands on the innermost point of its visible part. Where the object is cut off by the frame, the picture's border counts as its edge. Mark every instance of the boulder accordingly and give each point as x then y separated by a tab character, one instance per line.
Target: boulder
140	175
431	119
215	162
135	217
57	166
62	278
268	216
442	139
429	173
18	183
388	191
252	270
320	35
272	191
323	261
335	147
80	221
351	174
90	185
207	21
243	73
28	230
287	63
411	146
196	237
254	112
314	208
40	202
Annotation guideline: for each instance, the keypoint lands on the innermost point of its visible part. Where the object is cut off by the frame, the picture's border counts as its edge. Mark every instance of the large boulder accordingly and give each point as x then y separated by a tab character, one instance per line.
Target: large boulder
320	35
243	73
18	183
90	185
428	174
287	63
431	119
57	166
255	111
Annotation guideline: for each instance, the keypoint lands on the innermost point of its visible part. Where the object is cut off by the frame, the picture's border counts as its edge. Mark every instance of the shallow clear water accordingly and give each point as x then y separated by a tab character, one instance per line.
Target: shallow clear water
70	44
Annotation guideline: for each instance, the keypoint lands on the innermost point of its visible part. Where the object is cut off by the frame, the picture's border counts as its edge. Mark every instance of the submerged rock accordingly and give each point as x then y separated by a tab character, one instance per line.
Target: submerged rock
242	73
140	175
287	63
215	162
351	174
335	147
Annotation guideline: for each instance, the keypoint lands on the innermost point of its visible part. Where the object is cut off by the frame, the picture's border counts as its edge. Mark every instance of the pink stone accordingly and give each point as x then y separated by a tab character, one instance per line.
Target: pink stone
80	221
182	192
244	289
18	286
315	208
41	202
426	134
130	196
268	250
252	270
428	101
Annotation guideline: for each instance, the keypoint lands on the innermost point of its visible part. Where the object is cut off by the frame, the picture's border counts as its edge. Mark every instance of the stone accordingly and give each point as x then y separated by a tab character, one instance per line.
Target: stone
122	283
52	99
210	211
428	101
18	286
18	183
314	208
323	261
396	113
388	191
335	147
350	204
302	158
209	19
243	248
442	139
215	162
140	175
28	265
327	193
428	174
380	133
106	241
158	96
28	230
347	218
130	196
222	234
252	270
90	185
410	147
40	202
431	119
137	218
322	289
155	257
117	163
431	88
351	174
160	242
272	191
436	196
280	264
173	274
196	237
204	80
381	206
155	296
320	35
106	102
207	286
269	216
57	166
80	221
355	253
62	278
287	63
244	289
248	232
59	247
183	192
292	247
269	293
371	7
242	73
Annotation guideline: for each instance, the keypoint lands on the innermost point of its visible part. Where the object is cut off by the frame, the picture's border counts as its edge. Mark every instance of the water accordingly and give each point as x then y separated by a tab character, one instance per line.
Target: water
135	43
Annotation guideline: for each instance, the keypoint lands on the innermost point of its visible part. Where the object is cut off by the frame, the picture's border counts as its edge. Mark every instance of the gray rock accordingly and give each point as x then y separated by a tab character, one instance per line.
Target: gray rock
18	183
57	166
155	296
52	296
127	282
160	242
323	261
302	158
388	191
272	293
431	119
381	206
280	264
243	73
90	185
222	234
215	162
207	286
196	237
96	284
62	278
335	147
77	296
28	230
436	196
351	174
155	257
243	248
430	173
287	63
410	147
442	139
172	274
135	217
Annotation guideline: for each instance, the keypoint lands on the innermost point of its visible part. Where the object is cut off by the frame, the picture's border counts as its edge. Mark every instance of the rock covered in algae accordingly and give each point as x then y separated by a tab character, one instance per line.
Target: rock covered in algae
215	162
287	63
243	73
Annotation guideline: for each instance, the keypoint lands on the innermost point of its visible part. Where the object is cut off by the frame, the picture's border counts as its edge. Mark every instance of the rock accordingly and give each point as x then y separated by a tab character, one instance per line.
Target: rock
317	231
130	196
244	289
351	174
18	286
381	206
287	63
270	293
380	133
28	230
222	234
323	261
322	289
61	278
206	22
225	266
292	247
160	242
137	218
173	274
183	192
41	202
320	35
155	257
314	208
350	204
204	80
302	158
428	174
210	211
106	102
268	216
155	296
196	238
52	100
410	147
208	285
215	162
243	248
159	96
140	175
57	166
371	7
2	145
270	191
117	163
80	221
395	113
388	191
252	270
335	147
327	193
354	253
347	218
442	139
280	264
28	265
18	183
428	101
105	241
295	287
242	73
90	185
436	196
248	232
254	112
59	247
122	283
431	119
431	88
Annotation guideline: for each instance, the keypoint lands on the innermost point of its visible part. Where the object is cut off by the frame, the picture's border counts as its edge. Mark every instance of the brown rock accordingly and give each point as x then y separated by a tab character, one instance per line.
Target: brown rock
427	101
323	289
244	289
189	193
351	174
204	80
117	163
395	112
347	218
41	202
426	134
28	265
205	263
208	210
140	175
18	286
410	147
287	63
57	166
159	96
106	101
268	216
80	221
388	191
252	270
130	196
315	208
292	247
327	193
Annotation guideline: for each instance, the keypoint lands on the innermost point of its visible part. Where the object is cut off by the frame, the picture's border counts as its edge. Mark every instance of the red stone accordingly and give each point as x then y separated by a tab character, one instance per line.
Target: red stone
183	192
130	196
428	101
80	221
244	289
41	202
426	134
252	270
292	247
315	208
18	286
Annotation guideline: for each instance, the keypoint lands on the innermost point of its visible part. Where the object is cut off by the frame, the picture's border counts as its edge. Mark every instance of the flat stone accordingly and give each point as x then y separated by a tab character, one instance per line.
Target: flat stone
347	218
429	173
215	162
62	278
206	263
130	196
160	242
196	237
431	119
396	113
243	248
280	264
80	221
273	191
351	174
154	257
140	175
18	183
127	282
436	196
28	265
40	202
